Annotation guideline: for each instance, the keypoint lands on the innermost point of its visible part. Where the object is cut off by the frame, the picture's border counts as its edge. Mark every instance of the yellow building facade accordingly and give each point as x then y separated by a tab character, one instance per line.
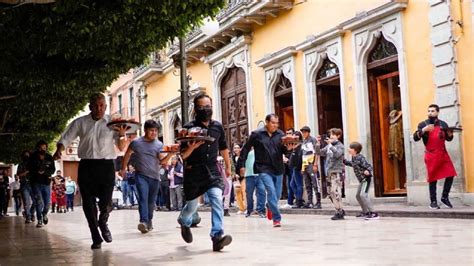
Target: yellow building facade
370	67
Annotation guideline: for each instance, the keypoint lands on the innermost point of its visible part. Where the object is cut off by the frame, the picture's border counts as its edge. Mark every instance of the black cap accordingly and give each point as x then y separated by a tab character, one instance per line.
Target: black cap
305	128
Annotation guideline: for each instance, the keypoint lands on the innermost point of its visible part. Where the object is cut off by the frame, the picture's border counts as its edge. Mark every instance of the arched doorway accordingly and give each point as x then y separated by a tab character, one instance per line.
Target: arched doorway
386	121
283	98
328	91
234	106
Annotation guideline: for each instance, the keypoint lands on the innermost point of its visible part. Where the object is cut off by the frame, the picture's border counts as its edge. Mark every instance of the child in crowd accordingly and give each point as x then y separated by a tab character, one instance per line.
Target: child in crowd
334	154
363	171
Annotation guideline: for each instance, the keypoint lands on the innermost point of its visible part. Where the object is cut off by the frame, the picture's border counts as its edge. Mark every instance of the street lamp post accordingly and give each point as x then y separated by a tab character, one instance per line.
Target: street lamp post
210	27
184	82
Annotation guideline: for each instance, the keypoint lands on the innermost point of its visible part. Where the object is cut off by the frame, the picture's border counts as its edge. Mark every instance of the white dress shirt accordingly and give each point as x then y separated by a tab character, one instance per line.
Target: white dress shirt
96	139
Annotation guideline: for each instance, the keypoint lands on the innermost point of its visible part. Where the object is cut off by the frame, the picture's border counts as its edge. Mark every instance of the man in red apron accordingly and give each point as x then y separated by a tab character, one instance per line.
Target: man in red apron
434	132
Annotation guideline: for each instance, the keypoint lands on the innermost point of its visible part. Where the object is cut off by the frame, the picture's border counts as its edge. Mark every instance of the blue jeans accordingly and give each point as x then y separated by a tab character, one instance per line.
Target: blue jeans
26	193
297	183
132	194
126	193
217	211
291	195
70	201
255	182
147	192
273	185
42	195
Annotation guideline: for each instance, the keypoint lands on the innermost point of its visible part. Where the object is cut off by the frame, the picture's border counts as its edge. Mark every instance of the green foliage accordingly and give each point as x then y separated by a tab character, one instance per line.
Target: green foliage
54	56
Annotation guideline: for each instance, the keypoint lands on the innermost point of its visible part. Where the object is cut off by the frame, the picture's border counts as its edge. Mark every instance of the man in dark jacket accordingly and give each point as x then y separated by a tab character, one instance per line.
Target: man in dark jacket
41	168
434	133
269	151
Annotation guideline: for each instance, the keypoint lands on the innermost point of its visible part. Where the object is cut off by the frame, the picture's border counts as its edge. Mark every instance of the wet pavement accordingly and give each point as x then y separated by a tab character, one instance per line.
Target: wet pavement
302	239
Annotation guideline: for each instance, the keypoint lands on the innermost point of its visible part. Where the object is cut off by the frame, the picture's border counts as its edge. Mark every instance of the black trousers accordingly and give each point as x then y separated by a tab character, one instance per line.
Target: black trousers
448	183
7	201
96	180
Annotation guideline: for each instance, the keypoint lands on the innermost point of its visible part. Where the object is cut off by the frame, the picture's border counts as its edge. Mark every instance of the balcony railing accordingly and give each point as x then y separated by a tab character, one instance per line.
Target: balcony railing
232	5
156	60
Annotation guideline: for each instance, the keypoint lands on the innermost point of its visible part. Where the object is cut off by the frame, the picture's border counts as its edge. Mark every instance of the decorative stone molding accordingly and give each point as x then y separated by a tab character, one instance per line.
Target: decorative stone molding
316	51
445	78
364	39
235	54
279	63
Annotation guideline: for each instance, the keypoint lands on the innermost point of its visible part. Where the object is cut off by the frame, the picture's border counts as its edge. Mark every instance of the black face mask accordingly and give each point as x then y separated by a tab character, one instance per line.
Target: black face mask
204	114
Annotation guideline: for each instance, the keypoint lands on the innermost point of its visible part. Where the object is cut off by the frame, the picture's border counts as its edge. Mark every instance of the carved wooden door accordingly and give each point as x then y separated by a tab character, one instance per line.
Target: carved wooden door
234	106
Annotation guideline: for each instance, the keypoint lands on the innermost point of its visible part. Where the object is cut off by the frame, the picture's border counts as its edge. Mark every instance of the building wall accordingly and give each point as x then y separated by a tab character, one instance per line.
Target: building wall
465	56
292	27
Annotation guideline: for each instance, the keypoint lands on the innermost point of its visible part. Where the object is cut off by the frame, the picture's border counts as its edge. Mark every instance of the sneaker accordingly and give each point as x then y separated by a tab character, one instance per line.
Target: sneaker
286	206
276	224
247	214
308	206
39	224
149	226
226	212
45	219
362	215
269	214
337	216
219	242
434	205
318	205
142	227
186	234
27	221
262	215
372	216
446	202
241	212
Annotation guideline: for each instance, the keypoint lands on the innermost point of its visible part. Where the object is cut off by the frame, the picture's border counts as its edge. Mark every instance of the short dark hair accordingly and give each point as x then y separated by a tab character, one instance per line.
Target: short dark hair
336	131
150	123
199	96
94	97
356	146
41	142
435	106
269	117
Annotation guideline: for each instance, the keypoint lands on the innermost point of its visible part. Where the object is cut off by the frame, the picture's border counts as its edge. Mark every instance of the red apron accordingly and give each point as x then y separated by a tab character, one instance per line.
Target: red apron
437	160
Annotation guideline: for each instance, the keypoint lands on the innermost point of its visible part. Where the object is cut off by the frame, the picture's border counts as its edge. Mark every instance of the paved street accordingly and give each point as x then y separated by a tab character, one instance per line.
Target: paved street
303	239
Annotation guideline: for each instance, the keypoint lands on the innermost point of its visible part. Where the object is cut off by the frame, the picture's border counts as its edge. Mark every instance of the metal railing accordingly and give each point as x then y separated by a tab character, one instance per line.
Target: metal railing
156	59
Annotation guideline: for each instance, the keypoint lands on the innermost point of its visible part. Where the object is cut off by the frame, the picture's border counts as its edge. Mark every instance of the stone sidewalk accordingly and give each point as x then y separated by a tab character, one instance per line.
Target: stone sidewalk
302	240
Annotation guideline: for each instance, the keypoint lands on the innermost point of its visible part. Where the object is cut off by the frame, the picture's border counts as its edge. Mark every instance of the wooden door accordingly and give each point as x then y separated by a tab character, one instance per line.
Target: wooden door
71	168
329	108
390	173
234	106
287	118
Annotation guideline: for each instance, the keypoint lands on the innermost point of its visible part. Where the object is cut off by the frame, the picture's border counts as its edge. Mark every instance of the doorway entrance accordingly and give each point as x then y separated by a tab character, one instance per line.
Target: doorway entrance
284	103
234	106
386	120
328	92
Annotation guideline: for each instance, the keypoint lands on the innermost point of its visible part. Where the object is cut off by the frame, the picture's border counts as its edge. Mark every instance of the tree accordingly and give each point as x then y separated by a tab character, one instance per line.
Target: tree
55	55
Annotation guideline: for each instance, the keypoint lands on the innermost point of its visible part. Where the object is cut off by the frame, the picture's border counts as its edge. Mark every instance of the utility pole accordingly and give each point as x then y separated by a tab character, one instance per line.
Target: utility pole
184	82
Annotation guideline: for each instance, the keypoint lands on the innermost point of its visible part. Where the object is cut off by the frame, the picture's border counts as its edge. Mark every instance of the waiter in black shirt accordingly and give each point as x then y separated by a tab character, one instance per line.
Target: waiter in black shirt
269	152
201	173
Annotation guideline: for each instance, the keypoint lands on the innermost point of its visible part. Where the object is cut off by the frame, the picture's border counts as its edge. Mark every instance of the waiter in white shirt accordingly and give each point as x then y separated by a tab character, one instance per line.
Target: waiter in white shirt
96	177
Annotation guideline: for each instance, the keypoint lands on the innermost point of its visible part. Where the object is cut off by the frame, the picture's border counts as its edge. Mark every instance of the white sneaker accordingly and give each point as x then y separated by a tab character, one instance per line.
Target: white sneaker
241	212
286	206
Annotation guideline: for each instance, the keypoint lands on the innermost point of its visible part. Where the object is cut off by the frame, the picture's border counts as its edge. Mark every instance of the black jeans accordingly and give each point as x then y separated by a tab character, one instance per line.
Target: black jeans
448	183
7	201
96	181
